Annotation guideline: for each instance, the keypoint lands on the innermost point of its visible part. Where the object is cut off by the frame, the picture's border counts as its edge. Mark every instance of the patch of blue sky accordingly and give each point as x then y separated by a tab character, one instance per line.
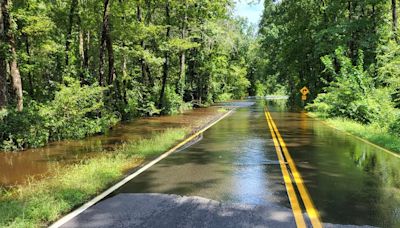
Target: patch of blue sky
250	9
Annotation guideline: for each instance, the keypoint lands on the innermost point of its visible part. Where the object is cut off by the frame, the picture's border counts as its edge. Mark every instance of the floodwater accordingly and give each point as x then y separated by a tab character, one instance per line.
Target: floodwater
20	167
234	161
350	182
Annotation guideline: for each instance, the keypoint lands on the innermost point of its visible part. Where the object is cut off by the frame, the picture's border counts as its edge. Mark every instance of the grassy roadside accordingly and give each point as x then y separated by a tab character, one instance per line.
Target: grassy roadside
373	133
42	202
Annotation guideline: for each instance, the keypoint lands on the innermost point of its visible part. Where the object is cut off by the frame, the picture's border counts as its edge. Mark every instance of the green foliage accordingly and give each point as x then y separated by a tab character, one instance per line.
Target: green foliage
173	103
224	97
294	35
352	94
75	112
394	127
23	129
58	42
260	89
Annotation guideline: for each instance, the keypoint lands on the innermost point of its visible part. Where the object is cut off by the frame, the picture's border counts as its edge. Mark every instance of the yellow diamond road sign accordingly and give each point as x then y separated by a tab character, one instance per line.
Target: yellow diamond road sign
304	91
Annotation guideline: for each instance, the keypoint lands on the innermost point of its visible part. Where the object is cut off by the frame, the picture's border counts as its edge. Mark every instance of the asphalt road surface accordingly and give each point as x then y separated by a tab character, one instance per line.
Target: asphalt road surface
233	176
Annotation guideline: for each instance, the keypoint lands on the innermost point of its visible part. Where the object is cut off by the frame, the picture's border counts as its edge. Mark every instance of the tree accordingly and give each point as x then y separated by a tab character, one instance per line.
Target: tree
10	40
3	65
166	54
106	43
74	5
394	18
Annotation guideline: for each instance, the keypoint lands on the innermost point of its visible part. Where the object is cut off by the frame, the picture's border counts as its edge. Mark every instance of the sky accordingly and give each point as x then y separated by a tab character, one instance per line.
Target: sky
251	11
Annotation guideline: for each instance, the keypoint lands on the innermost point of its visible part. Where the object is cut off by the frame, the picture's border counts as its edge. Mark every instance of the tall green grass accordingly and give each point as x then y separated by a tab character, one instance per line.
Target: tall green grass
372	132
39	203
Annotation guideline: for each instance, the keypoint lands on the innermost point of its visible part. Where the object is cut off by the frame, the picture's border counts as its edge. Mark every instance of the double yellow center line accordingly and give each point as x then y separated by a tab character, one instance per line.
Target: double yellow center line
285	158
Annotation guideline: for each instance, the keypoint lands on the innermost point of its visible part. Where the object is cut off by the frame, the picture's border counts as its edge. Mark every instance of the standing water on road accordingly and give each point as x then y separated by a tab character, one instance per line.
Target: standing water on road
233	162
350	181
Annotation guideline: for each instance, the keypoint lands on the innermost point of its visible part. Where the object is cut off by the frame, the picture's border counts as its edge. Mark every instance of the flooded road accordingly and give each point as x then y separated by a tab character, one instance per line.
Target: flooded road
233	162
19	167
350	182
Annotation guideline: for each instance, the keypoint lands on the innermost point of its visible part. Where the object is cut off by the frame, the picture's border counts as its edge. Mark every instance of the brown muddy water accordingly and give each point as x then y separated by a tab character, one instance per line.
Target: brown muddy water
20	167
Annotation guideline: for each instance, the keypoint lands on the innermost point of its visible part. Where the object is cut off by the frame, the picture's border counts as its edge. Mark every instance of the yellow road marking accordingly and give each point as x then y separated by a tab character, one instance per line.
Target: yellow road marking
113	188
298	215
310	208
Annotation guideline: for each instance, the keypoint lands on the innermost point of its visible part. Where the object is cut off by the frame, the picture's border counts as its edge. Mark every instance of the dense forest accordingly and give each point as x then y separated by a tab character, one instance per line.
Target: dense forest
346	51
72	68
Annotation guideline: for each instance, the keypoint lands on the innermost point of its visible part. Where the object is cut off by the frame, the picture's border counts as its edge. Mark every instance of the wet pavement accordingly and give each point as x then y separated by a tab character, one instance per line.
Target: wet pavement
233	168
350	181
162	210
234	162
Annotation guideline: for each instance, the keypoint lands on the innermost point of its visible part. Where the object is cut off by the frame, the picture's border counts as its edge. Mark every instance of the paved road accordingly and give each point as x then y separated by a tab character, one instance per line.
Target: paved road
231	177
162	210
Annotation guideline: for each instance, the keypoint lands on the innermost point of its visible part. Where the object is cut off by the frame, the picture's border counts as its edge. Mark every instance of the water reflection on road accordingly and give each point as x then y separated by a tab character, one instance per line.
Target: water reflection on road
234	162
351	182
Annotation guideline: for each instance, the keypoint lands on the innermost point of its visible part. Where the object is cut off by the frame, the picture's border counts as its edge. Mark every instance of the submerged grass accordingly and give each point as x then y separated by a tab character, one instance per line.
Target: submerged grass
39	203
373	132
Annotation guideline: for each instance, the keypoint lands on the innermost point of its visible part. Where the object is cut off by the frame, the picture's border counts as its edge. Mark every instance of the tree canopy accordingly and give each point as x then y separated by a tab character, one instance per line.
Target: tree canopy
147	57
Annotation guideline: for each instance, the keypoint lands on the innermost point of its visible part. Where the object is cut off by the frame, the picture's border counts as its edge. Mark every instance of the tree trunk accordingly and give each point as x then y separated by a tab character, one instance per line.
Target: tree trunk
3	82
14	71
28	52
86	51
103	41
111	69
166	56
81	57
143	45
181	81
148	19
394	18
352	45
3	66
74	4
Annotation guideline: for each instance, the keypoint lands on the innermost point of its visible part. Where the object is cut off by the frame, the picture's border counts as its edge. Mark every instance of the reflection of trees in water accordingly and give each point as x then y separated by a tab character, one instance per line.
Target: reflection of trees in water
379	164
383	182
280	105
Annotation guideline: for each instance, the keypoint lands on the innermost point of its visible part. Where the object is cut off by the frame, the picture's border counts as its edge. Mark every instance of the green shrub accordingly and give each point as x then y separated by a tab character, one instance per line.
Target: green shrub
224	97
140	101
23	129
352	94
260	89
76	111
173	103
394	127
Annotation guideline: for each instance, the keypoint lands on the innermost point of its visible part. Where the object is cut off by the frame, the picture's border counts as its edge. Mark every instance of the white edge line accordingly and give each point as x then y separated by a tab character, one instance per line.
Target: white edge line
104	194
